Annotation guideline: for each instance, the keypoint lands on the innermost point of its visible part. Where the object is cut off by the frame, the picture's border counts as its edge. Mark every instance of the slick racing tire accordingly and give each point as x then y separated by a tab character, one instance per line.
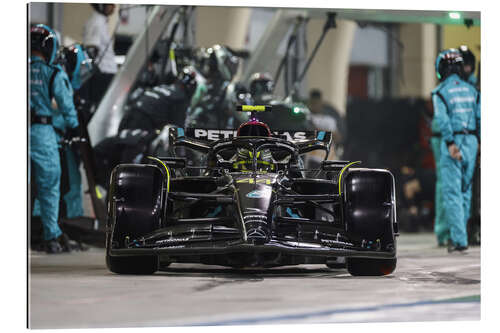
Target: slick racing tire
134	210
369	214
370	267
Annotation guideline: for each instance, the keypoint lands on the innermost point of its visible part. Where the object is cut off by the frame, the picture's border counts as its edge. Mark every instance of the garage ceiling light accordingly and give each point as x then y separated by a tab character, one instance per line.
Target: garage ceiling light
454	15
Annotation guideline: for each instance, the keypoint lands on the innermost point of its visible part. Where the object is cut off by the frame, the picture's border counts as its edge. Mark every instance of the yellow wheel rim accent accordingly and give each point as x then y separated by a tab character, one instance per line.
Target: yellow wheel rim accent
342	171
166	168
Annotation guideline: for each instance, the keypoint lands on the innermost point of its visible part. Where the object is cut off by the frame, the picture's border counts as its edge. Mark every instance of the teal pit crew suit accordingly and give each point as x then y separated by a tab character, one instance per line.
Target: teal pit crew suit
440	227
472	79
73	198
44	151
457	115
77	73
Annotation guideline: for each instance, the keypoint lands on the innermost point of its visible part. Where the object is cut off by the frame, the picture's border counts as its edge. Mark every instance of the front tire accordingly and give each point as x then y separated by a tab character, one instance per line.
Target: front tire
370	216
135	209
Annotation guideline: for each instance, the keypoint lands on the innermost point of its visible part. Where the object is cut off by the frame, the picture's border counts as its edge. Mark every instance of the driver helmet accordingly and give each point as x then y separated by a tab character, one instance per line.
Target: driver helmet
77	64
449	62
44	40
253	127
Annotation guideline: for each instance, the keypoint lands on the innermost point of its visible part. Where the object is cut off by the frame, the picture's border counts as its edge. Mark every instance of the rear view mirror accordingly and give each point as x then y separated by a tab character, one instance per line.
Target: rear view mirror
335	166
173	162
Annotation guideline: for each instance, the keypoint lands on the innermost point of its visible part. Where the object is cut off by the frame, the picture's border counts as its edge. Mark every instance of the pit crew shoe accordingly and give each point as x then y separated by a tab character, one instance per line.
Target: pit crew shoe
52	246
457	248
82	247
64	242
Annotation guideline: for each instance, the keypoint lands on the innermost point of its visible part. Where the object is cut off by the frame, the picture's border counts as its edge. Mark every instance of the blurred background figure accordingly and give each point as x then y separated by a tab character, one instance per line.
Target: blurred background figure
457	114
261	88
78	67
48	82
148	112
211	105
99	43
153	108
287	114
326	117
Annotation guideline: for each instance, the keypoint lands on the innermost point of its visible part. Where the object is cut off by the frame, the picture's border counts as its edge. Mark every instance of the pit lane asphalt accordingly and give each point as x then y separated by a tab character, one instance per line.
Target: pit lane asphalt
77	291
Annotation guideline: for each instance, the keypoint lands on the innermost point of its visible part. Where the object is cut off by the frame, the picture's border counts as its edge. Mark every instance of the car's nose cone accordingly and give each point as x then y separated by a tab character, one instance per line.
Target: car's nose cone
257	229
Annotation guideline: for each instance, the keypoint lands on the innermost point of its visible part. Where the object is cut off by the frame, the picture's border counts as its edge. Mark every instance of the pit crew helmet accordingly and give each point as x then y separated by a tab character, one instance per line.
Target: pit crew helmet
260	84
449	62
219	61
468	57
187	77
44	40
238	94
77	64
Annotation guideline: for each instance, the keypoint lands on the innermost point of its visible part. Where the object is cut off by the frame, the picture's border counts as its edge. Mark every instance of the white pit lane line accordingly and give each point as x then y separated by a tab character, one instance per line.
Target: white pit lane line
443	309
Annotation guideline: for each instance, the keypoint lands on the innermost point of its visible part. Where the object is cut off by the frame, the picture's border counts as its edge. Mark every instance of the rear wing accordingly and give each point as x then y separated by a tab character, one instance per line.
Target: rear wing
208	136
201	139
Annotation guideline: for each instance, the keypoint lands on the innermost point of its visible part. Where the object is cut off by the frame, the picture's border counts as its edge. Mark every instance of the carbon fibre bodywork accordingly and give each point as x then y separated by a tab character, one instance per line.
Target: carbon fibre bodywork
263	216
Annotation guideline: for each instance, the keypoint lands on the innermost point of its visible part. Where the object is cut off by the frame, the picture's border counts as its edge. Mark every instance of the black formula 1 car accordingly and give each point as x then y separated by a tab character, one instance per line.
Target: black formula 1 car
251	205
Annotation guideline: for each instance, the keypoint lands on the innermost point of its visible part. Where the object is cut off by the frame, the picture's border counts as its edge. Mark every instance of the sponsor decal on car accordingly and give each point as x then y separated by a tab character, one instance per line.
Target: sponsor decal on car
172	240
257	194
220	134
213	135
